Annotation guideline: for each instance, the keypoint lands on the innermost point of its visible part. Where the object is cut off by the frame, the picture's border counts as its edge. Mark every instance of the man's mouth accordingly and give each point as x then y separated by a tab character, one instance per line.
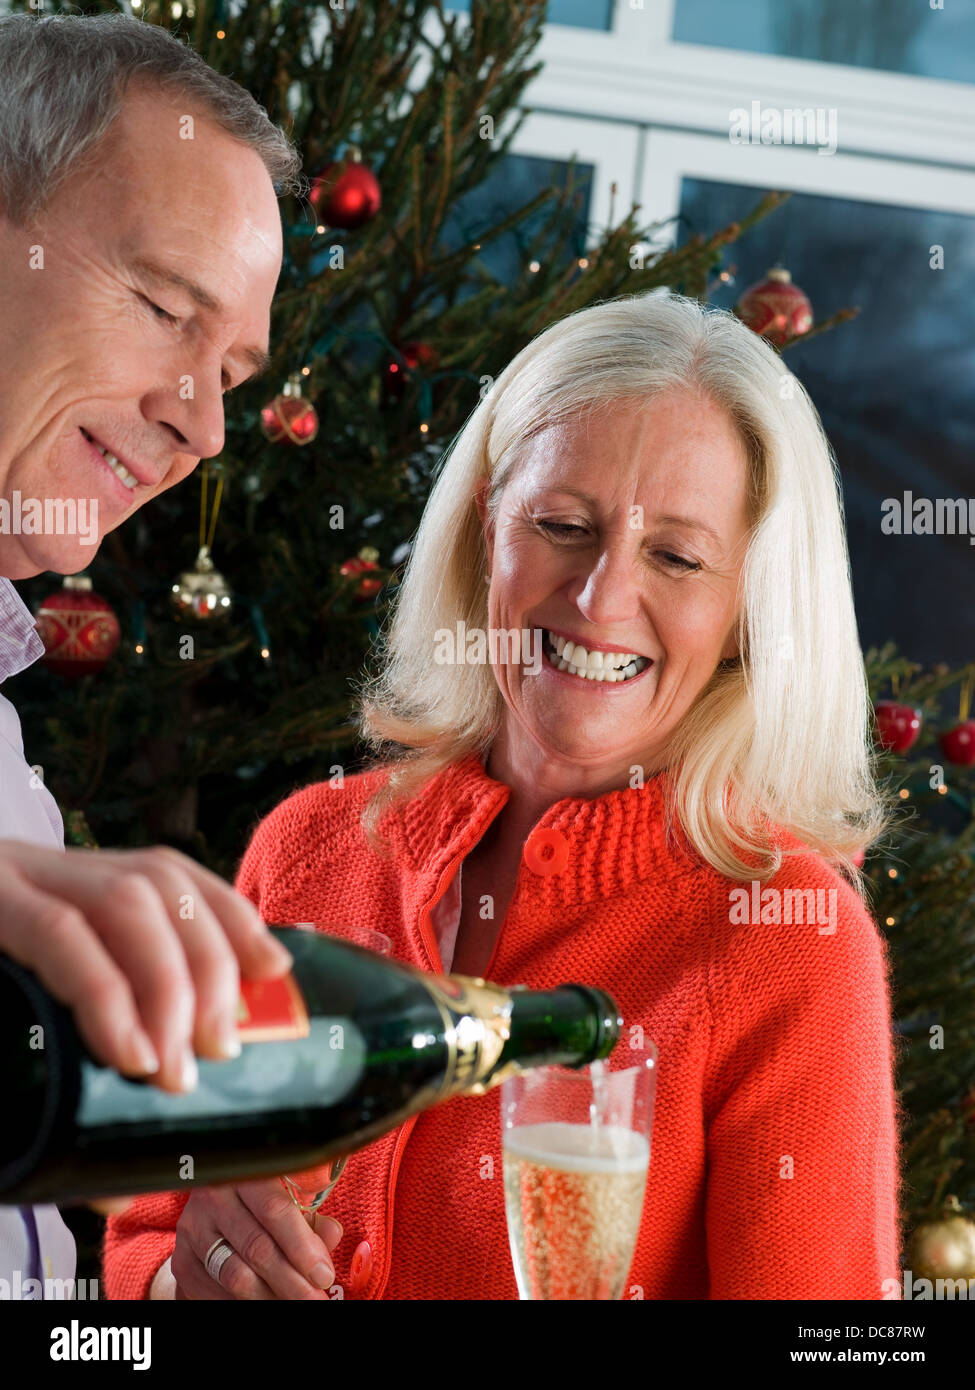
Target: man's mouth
575	660
119	469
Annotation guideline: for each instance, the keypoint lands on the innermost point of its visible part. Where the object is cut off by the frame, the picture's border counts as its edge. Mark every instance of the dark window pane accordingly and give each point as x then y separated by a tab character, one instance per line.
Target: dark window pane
896	35
893	388
517	179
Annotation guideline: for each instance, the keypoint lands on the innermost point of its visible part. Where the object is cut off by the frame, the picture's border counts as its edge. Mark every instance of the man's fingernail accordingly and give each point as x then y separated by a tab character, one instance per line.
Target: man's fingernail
228	1042
143	1053
189	1073
283	954
322	1276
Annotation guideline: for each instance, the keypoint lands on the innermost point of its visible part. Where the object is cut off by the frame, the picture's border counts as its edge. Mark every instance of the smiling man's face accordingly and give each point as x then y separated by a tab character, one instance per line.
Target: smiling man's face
141	295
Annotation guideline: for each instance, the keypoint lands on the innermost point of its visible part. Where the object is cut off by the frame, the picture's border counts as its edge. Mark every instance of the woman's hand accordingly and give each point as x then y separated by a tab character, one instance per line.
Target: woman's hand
277	1254
144	946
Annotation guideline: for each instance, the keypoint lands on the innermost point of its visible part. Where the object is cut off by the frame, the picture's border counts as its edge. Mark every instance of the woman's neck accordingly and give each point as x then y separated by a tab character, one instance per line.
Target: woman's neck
537	781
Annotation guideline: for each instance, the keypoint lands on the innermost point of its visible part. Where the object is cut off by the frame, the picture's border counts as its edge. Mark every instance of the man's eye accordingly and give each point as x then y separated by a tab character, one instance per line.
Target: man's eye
159	311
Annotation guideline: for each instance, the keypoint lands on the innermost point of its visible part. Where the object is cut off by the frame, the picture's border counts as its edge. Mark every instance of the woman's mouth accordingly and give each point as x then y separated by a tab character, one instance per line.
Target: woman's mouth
613	668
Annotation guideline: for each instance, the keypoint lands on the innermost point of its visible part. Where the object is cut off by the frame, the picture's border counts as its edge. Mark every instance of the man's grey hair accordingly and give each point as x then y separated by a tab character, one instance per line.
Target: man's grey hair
63	79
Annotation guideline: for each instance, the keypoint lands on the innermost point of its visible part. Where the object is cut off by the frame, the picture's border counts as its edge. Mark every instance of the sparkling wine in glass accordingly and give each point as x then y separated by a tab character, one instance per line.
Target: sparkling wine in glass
310	1190
576	1150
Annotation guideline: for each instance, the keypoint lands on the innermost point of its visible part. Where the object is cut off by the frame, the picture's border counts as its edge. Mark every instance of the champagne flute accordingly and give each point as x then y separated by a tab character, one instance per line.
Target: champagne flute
310	1190
576	1150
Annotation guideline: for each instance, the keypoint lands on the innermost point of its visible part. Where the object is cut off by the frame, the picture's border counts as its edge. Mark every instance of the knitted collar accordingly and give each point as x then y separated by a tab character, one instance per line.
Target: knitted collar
614	840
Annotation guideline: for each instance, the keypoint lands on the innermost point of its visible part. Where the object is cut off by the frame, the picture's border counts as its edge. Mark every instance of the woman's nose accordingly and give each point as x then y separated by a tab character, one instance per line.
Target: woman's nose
609	591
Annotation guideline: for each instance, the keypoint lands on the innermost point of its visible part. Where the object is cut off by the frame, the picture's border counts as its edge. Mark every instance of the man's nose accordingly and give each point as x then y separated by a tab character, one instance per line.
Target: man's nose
195	412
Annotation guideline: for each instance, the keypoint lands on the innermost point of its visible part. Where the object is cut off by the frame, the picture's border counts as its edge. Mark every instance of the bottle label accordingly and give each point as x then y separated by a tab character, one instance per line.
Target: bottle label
271	1011
477	1018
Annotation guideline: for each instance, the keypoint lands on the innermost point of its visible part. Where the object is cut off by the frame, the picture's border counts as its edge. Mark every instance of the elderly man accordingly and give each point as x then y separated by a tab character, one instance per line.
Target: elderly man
140	246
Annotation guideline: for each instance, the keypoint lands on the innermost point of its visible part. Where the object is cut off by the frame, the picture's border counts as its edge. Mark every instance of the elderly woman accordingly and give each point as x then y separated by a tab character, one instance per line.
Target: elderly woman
646	491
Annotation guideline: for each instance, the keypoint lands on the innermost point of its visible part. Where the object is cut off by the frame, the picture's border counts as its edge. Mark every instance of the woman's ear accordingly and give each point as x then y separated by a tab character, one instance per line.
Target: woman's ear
730	652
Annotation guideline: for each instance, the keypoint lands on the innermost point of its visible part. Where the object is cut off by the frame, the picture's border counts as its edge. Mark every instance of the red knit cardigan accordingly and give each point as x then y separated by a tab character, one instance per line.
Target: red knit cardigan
773	1172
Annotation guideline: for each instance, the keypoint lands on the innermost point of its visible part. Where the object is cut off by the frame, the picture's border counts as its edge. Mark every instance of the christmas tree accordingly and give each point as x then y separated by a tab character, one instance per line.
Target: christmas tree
394	314
922	893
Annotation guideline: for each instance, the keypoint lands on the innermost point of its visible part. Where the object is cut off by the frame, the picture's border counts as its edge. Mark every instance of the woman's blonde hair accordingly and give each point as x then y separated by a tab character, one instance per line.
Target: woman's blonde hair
779	738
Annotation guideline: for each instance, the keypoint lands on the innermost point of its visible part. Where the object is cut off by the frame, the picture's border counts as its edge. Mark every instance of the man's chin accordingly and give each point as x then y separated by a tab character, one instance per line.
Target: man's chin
21	557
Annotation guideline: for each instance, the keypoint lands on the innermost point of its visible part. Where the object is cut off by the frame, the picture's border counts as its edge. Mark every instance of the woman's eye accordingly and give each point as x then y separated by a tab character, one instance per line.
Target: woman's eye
561	528
159	311
678	561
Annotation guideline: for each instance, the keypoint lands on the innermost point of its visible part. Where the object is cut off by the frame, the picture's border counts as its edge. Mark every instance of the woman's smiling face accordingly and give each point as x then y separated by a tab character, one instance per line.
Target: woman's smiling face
623	532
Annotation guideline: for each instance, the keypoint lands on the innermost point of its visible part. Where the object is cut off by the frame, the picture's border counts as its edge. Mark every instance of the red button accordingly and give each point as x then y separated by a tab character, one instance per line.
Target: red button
361	1267
546	851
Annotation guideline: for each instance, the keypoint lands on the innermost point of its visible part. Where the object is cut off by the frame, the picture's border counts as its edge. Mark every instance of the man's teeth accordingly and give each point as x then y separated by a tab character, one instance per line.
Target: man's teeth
119	469
593	666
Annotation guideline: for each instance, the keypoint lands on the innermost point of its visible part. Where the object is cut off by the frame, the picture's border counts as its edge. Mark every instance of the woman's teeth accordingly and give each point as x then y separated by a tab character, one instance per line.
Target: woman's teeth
593	666
119	469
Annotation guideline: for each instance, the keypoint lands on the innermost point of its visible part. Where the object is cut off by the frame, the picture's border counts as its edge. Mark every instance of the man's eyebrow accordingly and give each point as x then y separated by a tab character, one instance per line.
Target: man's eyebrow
670	519
163	275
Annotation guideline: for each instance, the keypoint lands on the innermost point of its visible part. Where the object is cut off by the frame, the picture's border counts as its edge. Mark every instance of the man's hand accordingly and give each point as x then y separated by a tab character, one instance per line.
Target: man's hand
144	946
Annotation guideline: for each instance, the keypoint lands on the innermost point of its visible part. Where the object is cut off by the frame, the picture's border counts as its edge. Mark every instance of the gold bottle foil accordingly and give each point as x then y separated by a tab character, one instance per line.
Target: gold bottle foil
477	1019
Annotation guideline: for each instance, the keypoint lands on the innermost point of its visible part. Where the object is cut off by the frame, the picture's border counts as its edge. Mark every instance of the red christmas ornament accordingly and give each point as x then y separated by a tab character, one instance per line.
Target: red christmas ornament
346	194
290	416
415	355
958	744
365	560
897	725
776	308
79	630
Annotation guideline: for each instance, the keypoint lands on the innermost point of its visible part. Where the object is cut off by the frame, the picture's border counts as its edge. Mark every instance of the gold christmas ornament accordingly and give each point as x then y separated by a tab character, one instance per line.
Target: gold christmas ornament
201	593
944	1249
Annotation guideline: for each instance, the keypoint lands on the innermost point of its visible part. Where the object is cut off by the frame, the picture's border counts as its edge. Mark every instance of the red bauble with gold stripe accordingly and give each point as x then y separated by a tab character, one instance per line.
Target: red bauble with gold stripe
290	418
79	630
776	308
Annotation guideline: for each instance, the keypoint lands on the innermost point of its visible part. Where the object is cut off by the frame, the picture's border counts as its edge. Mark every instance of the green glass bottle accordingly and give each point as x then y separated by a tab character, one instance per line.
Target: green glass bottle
334	1055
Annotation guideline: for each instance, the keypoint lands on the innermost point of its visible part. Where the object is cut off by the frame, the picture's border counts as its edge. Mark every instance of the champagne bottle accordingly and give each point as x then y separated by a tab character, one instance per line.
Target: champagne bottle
335	1054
